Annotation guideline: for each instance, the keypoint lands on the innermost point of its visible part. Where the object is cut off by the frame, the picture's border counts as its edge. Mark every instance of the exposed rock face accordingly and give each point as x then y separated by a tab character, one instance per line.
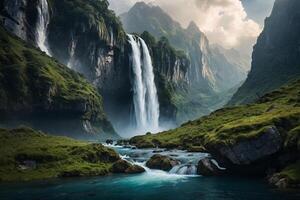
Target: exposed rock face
47	95
161	162
207	168
276	54
122	166
250	155
249	151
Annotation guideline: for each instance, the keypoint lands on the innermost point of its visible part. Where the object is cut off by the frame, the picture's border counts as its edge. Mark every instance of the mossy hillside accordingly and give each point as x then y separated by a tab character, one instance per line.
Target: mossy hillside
52	156
228	126
32	82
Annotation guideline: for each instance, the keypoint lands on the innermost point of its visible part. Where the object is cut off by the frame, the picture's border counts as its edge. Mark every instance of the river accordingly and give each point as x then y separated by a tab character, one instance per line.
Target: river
152	185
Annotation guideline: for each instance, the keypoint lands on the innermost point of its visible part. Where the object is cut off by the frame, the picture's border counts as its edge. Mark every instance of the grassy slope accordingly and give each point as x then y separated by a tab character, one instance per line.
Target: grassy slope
55	156
27	75
230	125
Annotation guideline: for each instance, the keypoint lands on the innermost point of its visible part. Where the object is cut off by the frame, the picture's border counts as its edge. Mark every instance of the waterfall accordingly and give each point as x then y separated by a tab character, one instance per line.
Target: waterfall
42	24
72	52
145	100
111	37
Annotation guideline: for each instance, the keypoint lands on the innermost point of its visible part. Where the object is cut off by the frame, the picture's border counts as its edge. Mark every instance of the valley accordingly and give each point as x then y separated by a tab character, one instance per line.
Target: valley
95	104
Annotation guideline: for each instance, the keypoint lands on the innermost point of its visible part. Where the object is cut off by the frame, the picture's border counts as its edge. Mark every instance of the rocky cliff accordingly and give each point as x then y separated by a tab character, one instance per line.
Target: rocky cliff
38	91
208	68
89	38
210	73
275	59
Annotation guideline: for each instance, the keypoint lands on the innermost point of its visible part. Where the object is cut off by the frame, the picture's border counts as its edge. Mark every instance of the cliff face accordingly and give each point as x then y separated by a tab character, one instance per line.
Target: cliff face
209	74
171	68
276	54
88	38
206	66
85	36
38	91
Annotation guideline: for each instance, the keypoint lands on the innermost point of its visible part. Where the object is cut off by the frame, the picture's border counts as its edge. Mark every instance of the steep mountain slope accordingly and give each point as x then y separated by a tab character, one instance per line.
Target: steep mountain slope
87	37
208	67
275	59
38	91
211	72
249	139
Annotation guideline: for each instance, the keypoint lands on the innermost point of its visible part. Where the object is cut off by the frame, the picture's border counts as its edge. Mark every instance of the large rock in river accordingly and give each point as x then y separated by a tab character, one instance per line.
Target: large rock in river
206	167
161	162
122	166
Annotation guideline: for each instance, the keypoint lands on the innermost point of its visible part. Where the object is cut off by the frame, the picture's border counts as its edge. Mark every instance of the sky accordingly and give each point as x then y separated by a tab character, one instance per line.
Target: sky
230	23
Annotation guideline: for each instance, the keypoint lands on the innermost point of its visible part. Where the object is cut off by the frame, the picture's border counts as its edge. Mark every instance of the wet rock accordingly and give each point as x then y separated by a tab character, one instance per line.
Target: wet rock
161	162
186	169
158	151
109	142
123	166
120	166
28	165
278	181
197	149
134	169
206	167
248	151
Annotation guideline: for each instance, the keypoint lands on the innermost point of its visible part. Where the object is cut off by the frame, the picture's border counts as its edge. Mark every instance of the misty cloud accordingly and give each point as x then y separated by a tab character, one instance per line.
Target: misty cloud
204	4
224	21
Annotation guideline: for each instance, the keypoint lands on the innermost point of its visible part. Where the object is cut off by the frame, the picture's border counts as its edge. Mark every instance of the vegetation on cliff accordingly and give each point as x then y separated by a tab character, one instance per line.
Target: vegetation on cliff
31	83
276	54
27	154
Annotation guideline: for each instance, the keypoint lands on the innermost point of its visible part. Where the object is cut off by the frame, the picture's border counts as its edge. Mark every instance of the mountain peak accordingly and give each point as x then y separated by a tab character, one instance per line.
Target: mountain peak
193	27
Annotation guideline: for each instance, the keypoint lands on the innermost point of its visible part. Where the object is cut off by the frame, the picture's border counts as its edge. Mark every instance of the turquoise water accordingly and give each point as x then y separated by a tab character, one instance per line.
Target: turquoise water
152	185
145	186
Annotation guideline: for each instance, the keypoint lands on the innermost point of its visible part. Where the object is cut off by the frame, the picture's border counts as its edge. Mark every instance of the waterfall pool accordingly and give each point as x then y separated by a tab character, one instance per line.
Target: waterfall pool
153	184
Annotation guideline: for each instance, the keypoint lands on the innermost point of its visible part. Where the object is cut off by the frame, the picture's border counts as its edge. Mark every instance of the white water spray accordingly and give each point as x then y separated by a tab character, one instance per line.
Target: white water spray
146	105
42	25
72	53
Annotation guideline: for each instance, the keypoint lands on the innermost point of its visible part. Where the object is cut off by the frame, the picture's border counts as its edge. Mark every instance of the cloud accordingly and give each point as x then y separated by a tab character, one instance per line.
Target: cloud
224	21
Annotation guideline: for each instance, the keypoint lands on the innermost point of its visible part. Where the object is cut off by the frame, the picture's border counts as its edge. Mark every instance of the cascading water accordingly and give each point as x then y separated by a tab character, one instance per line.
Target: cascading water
72	52
146	105
42	24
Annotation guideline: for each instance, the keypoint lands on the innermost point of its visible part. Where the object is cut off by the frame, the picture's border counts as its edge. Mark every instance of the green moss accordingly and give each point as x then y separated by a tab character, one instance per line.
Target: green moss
30	80
292	173
53	156
231	125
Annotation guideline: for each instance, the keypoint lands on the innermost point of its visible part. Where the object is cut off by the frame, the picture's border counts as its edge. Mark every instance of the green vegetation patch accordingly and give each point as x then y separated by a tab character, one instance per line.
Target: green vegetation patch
30	80
280	109
27	154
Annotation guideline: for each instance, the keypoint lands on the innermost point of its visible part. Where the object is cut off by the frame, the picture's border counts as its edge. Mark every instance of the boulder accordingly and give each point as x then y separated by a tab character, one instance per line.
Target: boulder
123	166
278	181
120	166
251	150
134	169
161	162
109	142
206	167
